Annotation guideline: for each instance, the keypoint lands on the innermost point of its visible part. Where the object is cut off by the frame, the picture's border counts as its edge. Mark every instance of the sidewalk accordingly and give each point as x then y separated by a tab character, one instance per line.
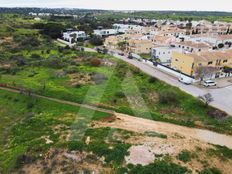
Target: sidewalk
221	83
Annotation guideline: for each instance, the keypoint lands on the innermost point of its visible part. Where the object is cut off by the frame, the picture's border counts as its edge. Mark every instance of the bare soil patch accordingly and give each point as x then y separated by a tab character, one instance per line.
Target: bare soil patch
145	149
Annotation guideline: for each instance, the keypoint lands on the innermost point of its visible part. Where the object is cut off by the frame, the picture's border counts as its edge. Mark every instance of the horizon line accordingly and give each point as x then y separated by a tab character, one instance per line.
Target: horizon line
122	10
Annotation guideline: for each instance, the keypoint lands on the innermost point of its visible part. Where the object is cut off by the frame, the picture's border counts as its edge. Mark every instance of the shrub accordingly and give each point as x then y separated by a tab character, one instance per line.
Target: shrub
35	56
118	153
96	40
217	114
168	97
95	62
71	69
184	156
210	171
76	145
159	167
30	105
155	134
100	149
22	160
120	94
98	78
152	80
222	152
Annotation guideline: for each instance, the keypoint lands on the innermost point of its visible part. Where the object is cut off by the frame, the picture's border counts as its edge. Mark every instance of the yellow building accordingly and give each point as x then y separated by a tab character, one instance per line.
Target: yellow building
139	46
189	63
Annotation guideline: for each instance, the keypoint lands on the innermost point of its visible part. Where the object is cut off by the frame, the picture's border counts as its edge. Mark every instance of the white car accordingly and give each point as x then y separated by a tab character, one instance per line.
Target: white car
185	81
209	83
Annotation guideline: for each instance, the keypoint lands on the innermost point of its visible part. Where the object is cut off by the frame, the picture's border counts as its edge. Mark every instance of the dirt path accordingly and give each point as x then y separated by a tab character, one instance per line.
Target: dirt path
62	101
141	125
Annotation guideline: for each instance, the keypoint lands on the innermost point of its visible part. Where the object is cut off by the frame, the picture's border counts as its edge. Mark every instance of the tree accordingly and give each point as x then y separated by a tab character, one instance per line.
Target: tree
95	62
96	40
203	72
122	45
51	29
74	37
207	99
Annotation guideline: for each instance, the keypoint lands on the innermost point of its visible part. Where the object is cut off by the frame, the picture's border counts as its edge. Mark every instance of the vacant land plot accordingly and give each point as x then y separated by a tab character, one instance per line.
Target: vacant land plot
156	140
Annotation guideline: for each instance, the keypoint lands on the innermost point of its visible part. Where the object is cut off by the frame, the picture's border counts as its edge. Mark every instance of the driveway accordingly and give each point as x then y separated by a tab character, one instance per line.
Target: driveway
222	96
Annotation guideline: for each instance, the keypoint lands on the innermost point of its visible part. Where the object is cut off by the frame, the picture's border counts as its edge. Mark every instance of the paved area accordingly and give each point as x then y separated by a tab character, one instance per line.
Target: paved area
222	96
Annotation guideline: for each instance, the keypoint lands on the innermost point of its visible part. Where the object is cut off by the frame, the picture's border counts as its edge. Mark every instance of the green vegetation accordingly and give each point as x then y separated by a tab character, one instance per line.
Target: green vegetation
155	134
185	156
210	171
222	152
31	127
158	167
24	129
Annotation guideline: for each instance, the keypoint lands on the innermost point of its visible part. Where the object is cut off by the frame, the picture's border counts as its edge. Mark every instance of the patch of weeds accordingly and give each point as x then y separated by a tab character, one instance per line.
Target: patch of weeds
76	145
210	171
155	134
221	151
159	167
185	156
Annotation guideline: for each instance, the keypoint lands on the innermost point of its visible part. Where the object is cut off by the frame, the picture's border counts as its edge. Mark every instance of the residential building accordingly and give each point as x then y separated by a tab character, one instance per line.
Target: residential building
189	46
139	46
73	36
163	54
123	28
112	41
105	32
190	63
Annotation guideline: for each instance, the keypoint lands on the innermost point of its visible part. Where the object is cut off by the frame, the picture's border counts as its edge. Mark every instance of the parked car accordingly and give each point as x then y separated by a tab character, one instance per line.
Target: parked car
121	54
185	81
209	83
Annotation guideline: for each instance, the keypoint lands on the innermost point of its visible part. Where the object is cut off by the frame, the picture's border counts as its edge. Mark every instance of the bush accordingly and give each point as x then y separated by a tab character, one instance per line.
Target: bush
117	154
184	156
98	78
152	80
71	70
22	160
76	145
210	171
120	94
159	167
217	114
95	62
100	149
222	152
168	97
96	40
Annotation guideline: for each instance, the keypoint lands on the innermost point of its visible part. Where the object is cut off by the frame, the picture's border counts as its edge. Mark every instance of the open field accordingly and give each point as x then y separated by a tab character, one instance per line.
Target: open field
43	136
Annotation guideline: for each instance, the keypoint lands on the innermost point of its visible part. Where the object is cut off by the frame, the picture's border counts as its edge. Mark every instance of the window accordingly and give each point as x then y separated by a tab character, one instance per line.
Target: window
177	60
225	61
210	63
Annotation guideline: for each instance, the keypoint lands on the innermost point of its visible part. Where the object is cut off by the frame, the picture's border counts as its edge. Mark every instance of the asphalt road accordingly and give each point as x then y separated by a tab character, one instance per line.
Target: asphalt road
222	96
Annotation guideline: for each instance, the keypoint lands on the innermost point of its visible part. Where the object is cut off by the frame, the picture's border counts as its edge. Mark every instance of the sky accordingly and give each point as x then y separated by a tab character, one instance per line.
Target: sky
199	5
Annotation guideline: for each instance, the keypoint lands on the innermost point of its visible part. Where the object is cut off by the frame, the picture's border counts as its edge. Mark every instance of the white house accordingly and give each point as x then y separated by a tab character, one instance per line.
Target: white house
70	35
123	28
163	54
105	32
